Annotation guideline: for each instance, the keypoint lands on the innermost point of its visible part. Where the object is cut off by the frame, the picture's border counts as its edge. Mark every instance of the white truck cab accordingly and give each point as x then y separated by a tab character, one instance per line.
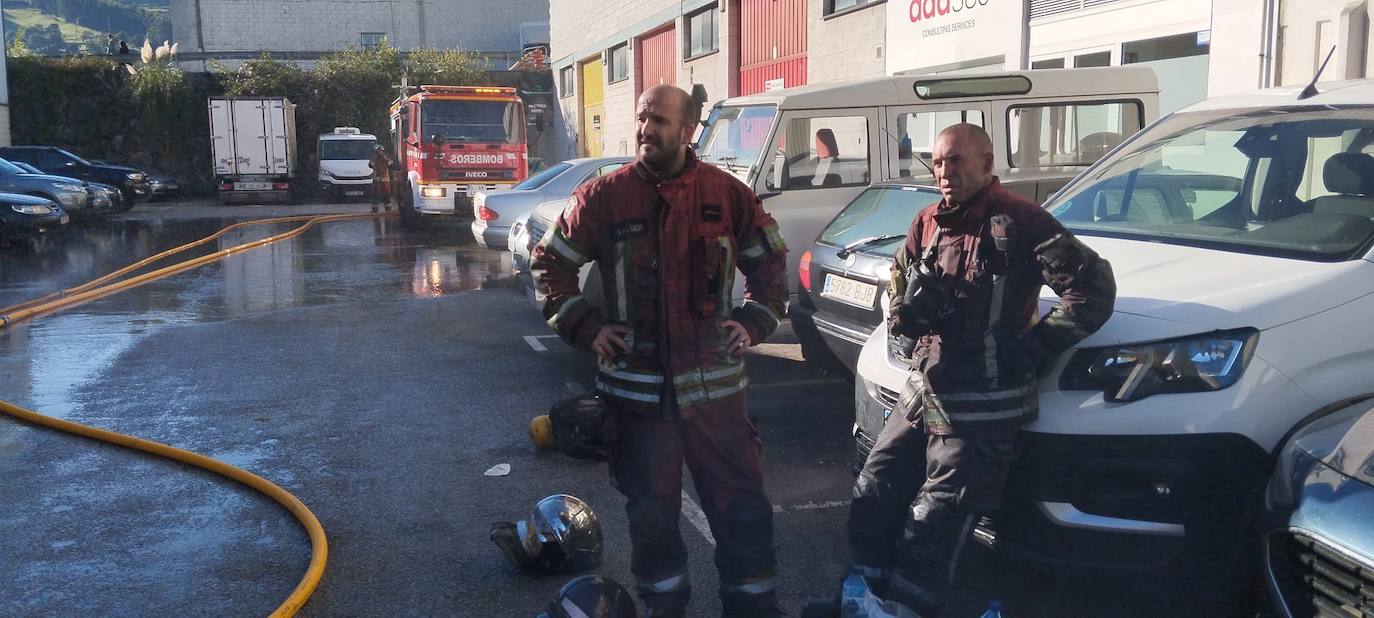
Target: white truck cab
345	168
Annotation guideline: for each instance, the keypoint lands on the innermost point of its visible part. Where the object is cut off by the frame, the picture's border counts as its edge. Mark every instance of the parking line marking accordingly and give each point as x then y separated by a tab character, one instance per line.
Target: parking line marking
574	388
533	341
694	514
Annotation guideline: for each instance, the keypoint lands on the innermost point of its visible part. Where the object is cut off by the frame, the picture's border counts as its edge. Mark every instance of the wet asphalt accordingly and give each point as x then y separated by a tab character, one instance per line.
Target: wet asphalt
377	374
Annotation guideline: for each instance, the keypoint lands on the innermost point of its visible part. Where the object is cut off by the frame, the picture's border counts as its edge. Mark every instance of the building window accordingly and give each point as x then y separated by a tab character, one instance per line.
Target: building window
701	32
1096	59
1051	63
1166	47
373	40
565	81
837	6
619	61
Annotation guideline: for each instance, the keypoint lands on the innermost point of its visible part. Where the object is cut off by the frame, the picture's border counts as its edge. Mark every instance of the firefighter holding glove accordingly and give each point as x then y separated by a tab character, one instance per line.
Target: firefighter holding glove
964	287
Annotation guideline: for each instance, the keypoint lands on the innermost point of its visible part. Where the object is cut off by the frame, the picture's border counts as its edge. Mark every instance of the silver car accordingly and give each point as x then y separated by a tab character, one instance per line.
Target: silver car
495	211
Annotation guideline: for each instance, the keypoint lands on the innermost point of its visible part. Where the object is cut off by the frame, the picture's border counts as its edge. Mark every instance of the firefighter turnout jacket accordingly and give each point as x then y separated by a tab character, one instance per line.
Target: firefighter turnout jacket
666	250
975	365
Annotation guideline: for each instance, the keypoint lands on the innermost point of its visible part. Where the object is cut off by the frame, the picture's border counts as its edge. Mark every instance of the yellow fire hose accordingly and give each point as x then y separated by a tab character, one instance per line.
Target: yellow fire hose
319	545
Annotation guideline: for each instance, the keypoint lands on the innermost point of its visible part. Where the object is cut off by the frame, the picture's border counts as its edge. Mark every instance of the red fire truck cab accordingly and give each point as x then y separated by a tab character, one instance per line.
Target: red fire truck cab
453	141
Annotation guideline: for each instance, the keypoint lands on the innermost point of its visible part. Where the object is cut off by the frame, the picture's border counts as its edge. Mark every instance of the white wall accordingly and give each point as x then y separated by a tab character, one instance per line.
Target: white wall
4	93
1105	28
1308	31
1237	42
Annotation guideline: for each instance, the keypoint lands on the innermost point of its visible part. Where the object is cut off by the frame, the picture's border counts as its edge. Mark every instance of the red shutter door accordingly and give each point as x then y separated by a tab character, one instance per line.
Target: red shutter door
657	59
772	44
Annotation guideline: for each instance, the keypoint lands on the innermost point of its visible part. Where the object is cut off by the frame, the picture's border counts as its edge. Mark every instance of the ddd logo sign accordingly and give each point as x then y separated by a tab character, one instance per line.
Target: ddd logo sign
926	9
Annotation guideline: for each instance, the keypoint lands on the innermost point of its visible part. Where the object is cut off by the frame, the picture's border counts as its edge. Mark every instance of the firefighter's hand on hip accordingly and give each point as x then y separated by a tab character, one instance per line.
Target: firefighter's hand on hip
610	342
738	339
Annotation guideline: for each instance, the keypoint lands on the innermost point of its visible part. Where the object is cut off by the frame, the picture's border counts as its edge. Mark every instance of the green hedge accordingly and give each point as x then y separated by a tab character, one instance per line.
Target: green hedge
155	116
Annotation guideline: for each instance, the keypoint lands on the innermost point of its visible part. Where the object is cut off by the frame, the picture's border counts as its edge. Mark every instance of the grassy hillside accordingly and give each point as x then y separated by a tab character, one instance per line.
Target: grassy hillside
37	20
75	26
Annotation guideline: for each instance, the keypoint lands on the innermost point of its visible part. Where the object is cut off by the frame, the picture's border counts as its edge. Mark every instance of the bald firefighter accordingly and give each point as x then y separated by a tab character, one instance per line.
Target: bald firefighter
667	235
963	294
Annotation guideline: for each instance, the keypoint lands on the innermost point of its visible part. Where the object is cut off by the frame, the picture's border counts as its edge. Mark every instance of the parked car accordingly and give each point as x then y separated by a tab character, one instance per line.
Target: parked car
163	187
1240	231
848	267
105	199
25	217
529	235
1318	529
494	211
71	194
131	182
520	245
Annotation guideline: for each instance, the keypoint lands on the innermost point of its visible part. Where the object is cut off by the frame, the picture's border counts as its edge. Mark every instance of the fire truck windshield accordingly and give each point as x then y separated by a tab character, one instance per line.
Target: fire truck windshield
473	121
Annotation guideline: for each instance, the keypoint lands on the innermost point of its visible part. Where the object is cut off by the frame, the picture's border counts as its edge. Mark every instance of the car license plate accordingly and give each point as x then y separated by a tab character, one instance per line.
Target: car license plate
849	291
252	186
353	192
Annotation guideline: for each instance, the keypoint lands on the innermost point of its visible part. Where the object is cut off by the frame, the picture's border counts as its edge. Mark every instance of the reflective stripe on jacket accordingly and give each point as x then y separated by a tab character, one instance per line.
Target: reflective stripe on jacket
667	251
977	365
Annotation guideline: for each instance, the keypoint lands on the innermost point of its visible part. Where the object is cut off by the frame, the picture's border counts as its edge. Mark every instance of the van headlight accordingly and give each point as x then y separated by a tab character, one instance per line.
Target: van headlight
1202	363
433	192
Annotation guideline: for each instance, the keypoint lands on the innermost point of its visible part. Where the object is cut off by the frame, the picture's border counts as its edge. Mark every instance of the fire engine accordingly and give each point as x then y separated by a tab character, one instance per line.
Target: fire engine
453	141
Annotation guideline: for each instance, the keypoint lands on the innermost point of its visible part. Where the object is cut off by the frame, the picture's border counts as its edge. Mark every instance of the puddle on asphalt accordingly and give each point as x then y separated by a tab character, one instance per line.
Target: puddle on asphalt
43	361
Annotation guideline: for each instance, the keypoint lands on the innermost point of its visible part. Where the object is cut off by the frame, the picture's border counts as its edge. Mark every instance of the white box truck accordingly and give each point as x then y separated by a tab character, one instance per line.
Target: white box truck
345	163
253	142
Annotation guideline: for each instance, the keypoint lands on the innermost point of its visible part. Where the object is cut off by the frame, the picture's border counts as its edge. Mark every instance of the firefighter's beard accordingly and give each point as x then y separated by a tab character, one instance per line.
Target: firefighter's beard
657	154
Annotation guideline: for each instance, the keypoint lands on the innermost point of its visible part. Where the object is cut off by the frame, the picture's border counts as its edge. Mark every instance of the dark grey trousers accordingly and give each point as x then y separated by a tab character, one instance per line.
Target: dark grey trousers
915	503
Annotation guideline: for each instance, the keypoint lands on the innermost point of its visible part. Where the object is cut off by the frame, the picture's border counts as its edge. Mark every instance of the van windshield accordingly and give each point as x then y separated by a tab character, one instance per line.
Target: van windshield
1294	182
346	149
734	137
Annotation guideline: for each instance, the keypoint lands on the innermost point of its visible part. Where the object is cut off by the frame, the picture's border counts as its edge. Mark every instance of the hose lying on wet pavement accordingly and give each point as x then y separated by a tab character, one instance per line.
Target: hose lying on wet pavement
319	545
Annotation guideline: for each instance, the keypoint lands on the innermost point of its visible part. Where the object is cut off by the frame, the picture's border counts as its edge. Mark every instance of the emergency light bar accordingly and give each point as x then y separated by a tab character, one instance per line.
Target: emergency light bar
467	90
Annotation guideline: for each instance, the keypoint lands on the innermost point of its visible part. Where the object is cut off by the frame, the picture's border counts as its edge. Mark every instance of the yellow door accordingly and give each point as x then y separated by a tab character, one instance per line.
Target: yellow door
593	108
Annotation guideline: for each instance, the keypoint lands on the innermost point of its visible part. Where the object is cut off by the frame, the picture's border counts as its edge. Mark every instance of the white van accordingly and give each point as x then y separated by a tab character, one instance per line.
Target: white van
345	162
1241	232
808	151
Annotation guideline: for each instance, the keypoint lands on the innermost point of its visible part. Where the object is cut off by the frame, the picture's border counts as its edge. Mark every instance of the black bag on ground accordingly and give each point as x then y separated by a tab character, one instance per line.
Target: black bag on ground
579	426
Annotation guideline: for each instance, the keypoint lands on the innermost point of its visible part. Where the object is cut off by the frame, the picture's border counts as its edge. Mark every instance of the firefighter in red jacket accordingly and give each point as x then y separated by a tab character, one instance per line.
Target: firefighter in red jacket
667	235
963	294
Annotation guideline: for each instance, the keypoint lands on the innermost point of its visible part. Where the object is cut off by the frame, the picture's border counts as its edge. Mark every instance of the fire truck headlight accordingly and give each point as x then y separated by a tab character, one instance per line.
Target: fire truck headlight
433	192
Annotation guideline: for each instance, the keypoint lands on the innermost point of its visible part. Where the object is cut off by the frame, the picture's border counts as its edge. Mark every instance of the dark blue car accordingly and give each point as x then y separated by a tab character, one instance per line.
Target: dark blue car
26	216
1319	519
